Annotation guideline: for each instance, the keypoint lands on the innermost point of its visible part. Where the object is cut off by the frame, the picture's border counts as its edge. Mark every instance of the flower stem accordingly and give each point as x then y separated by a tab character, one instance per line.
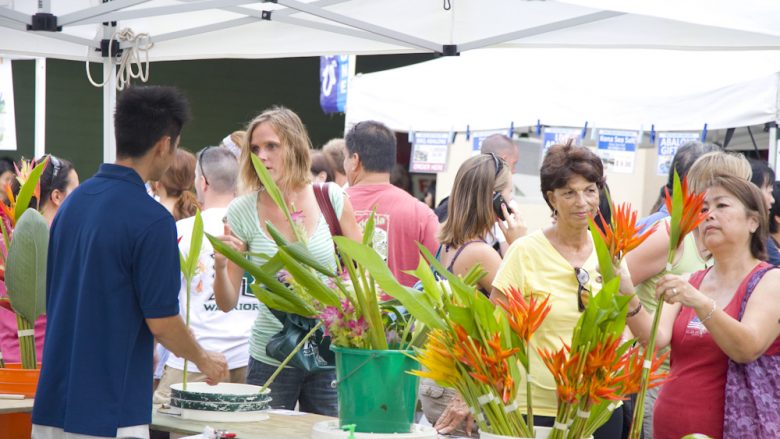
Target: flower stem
187	323
26	343
639	406
290	357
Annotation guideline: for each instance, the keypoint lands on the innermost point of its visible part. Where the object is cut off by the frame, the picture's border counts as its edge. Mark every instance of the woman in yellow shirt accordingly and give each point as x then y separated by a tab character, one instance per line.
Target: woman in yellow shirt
561	261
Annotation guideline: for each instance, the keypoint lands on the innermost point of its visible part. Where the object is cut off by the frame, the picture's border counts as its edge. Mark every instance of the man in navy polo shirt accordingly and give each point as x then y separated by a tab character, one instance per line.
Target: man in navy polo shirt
113	283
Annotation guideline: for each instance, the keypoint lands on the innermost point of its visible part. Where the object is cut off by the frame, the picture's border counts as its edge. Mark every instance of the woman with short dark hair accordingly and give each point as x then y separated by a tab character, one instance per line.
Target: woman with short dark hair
561	261
704	322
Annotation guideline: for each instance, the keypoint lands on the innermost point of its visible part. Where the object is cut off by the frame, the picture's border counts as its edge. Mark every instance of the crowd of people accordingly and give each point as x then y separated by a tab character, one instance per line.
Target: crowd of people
115	293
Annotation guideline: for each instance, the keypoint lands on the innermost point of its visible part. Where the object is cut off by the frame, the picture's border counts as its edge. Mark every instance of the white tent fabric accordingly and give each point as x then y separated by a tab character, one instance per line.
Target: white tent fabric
621	89
202	29
197	29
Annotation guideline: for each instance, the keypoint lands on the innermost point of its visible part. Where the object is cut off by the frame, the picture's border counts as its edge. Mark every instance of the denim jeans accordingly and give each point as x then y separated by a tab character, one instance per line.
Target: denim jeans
312	390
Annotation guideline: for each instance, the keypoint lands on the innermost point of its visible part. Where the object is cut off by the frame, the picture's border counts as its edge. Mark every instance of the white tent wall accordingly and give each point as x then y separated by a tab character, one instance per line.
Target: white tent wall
618	89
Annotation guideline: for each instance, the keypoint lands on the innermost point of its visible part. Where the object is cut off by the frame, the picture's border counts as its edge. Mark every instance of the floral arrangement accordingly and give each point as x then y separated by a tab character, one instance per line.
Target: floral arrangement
685	208
347	300
483	350
23	257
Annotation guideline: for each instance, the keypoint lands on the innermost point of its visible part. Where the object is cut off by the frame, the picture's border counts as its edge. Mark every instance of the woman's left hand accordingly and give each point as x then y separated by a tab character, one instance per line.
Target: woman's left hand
514	227
676	289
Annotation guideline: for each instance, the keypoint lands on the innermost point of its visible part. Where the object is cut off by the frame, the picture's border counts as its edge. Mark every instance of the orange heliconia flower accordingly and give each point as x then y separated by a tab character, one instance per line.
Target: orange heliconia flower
622	234
524	317
692	215
631	378
486	364
564	371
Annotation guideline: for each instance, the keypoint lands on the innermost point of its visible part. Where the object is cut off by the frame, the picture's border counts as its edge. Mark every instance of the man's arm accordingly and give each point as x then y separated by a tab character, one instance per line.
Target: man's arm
173	334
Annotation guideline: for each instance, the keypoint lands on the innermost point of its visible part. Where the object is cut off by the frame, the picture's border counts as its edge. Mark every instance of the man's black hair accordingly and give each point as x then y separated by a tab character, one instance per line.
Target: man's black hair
374	143
146	114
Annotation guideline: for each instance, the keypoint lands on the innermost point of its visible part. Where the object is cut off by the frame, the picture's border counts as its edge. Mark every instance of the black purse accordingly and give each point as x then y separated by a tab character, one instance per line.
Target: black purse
315	355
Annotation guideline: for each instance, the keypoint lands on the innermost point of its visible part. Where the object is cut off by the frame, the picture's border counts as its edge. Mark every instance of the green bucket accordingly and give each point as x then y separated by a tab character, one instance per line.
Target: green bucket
375	391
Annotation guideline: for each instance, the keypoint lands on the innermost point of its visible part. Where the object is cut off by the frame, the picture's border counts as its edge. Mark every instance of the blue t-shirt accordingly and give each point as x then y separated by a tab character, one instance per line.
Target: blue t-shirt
772	252
113	261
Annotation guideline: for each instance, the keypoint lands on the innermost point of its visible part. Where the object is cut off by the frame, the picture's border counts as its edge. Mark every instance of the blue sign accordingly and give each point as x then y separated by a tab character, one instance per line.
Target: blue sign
478	137
667	148
553	136
617	150
334	74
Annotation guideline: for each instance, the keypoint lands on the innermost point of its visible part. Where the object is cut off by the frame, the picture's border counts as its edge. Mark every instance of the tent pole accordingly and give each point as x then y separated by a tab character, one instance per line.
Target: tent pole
109	102
40	107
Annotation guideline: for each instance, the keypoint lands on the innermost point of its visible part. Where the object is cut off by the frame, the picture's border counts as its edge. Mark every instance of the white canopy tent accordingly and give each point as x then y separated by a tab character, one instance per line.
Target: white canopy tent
199	29
621	89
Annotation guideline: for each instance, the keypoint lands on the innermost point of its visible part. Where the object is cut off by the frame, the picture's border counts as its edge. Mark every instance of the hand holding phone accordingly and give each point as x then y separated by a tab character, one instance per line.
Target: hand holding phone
498	200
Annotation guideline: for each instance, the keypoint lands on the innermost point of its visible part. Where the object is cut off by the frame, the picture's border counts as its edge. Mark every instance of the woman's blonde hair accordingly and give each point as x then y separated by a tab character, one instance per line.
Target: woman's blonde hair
295	146
471	202
714	164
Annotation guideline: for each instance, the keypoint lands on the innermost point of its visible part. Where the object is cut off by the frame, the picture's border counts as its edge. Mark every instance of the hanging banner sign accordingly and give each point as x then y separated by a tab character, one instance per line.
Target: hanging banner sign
7	117
667	144
430	152
478	137
554	136
334	76
617	150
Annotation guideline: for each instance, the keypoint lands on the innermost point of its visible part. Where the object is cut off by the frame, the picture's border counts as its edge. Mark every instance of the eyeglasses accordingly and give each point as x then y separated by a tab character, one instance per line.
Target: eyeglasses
497	161
200	163
583	293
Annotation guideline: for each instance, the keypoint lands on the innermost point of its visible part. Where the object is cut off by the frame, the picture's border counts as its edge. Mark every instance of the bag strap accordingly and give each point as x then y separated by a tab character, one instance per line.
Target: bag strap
322	195
755	278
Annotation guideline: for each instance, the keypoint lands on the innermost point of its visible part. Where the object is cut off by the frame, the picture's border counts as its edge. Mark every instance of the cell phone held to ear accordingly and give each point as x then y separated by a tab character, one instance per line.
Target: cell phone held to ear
498	200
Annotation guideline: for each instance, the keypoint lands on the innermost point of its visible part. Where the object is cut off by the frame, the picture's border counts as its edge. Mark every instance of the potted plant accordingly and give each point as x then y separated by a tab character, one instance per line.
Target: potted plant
371	338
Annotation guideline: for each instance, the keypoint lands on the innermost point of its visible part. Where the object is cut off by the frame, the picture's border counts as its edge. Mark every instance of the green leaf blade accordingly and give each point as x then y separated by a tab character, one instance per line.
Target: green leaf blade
25	274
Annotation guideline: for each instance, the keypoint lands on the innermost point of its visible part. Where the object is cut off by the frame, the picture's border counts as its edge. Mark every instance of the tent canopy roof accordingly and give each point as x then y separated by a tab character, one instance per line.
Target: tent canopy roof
197	29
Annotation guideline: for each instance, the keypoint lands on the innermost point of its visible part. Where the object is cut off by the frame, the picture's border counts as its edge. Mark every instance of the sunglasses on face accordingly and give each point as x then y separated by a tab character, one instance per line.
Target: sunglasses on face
583	293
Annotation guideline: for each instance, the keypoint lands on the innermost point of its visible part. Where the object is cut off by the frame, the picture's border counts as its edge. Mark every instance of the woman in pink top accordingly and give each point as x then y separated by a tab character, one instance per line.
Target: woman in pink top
701	321
59	178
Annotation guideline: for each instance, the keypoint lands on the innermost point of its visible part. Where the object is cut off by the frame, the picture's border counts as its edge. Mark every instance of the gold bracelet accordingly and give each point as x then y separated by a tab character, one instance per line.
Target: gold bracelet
634	311
709	315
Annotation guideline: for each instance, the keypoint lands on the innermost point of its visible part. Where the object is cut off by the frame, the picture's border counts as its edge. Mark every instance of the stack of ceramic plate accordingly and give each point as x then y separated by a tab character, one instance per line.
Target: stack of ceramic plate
225	402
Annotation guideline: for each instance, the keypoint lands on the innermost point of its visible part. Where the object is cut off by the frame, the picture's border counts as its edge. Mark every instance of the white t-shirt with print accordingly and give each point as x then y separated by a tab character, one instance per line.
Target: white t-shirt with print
215	330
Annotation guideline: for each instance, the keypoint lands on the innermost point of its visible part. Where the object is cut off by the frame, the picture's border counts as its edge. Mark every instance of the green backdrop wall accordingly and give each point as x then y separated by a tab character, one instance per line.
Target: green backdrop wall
224	94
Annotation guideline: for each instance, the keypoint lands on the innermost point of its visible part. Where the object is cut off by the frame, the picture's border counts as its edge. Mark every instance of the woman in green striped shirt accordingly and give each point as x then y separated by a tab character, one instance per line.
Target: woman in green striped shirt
279	139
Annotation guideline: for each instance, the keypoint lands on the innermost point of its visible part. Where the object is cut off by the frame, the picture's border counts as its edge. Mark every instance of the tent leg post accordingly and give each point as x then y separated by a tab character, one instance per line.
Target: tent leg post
109	102
40	107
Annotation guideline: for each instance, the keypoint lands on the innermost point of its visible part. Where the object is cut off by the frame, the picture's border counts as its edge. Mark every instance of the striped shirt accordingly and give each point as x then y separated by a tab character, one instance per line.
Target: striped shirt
243	219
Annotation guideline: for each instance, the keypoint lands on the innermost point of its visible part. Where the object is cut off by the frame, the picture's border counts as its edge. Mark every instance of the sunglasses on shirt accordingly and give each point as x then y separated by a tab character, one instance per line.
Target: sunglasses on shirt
583	293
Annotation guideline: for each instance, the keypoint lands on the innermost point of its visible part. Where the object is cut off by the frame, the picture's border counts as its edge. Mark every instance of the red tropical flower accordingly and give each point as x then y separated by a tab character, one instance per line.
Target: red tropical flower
623	234
525	317
692	214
